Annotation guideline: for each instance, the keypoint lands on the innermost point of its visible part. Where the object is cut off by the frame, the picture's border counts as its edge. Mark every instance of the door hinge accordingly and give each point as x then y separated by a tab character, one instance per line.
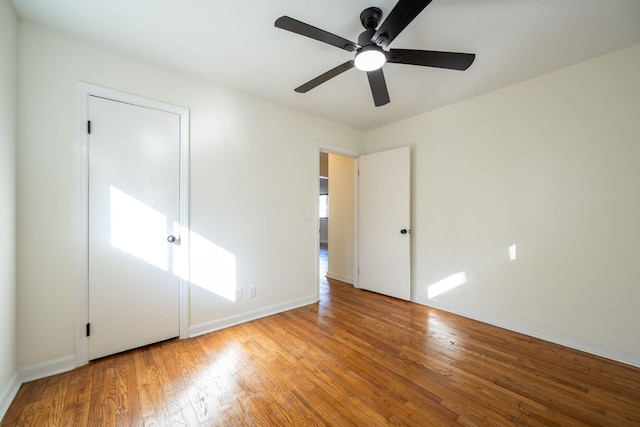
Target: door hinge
88	329
89	127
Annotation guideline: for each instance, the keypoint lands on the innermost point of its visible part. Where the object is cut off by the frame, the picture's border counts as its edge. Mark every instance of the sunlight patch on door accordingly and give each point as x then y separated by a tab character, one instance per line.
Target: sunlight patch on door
512	252
447	284
138	229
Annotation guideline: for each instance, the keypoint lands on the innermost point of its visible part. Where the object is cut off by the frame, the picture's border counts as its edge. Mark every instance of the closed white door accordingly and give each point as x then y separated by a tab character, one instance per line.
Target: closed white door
384	195
134	205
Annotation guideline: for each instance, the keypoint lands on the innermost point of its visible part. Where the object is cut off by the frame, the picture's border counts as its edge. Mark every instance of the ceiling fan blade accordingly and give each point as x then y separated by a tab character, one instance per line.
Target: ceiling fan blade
431	58
295	26
401	15
324	77
378	87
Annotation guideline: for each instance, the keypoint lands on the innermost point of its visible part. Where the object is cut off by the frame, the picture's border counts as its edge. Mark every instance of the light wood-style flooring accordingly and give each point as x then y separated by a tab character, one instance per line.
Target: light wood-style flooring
356	358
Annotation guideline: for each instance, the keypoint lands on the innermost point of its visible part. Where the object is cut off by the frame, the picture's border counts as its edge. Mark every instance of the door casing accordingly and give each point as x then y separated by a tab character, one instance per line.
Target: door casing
84	91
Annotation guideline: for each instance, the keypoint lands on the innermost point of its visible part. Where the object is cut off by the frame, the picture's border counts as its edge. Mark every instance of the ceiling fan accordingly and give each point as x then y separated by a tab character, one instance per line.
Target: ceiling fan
370	49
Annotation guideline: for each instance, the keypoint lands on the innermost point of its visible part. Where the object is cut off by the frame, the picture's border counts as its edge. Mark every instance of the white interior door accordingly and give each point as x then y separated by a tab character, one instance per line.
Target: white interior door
134	204
384	195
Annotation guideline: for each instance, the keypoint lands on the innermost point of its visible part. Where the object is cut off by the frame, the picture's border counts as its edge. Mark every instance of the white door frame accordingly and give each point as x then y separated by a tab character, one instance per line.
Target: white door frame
326	148
84	91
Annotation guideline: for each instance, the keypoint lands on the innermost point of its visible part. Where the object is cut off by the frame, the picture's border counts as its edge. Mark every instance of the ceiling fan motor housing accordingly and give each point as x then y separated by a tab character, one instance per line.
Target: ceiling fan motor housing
370	17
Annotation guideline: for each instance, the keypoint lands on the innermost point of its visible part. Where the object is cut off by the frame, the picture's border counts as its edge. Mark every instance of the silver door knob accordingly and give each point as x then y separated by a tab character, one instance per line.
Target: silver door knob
171	238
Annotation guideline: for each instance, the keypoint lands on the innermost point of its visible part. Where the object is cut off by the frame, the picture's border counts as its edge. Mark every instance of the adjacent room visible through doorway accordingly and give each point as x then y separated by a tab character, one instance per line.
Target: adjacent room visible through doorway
337	209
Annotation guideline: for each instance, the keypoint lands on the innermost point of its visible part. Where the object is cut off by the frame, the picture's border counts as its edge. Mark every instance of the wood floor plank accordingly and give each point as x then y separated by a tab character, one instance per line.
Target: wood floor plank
355	358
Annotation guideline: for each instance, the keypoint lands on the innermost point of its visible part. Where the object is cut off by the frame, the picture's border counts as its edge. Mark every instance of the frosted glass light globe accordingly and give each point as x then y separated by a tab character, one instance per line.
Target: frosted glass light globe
370	58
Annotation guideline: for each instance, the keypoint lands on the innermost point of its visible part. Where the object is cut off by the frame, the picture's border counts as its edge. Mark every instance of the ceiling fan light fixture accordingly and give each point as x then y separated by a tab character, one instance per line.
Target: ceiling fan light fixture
372	52
370	58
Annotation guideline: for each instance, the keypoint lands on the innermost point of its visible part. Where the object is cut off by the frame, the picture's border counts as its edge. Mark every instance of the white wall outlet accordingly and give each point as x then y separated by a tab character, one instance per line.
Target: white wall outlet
252	292
462	289
239	294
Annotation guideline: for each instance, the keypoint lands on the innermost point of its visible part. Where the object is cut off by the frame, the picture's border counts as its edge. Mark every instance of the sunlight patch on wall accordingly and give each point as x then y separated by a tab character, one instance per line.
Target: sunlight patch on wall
446	284
212	267
512	252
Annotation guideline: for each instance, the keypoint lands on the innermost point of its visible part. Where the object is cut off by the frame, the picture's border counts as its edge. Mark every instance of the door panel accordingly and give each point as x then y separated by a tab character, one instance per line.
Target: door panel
384	196
133	208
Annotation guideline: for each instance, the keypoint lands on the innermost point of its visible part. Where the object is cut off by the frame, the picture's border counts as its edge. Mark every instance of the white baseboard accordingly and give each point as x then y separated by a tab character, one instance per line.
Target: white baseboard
31	373
8	393
608	352
47	368
215	325
340	277
67	363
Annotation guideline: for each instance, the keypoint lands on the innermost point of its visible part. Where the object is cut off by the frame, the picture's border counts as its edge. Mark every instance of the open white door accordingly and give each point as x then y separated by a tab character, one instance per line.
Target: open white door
134	204
384	196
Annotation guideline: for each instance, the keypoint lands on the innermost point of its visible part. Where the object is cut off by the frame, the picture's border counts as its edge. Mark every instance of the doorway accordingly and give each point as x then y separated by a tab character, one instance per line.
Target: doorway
323	214
337	215
132	286
380	233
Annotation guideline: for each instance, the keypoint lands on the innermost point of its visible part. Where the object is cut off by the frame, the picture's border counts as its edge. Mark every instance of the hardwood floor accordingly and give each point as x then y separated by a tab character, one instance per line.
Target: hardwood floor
356	358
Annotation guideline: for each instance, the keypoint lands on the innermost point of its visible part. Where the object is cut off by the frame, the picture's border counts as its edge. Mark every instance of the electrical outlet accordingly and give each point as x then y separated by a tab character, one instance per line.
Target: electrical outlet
462	289
252	292
239	294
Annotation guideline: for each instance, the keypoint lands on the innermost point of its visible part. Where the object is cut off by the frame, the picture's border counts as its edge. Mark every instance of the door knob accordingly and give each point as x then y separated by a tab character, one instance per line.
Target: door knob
172	239
405	231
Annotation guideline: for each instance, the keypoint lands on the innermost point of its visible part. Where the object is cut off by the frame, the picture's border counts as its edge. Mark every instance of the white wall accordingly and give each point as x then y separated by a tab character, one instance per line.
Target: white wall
8	64
253	181
550	165
553	166
341	217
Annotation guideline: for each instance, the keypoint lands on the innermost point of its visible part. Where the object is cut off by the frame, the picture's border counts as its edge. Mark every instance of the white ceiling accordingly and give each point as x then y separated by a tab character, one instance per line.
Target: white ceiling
235	44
